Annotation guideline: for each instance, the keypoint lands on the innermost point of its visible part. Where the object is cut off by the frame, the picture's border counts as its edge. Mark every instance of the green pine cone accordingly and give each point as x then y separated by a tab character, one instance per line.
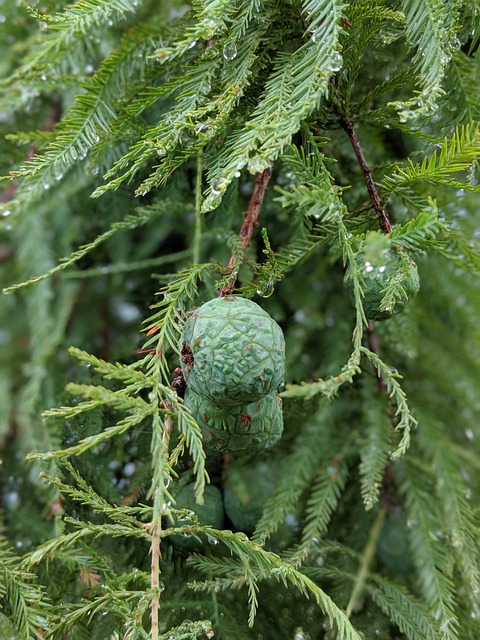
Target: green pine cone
232	351
395	267
237	429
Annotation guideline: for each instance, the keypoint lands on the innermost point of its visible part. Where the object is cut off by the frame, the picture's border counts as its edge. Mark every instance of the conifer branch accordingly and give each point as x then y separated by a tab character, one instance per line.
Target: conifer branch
249	223
385	223
374	342
197	240
155	530
367	559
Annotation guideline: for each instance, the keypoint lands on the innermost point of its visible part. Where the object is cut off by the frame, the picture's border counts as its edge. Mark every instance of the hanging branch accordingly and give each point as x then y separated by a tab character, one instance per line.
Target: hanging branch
368	556
246	230
374	343
156	527
385	223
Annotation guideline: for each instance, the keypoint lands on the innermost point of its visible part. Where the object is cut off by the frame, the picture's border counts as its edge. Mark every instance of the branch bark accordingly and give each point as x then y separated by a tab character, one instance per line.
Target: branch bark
385	223
246	230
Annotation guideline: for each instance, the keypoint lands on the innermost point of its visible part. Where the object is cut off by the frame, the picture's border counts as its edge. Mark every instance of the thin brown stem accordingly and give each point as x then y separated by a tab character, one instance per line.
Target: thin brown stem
155	552
385	223
246	230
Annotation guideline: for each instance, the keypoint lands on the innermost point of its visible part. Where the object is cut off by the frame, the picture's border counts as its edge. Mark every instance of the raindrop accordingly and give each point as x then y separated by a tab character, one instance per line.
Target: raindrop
456	44
256	165
368	267
405	115
201	128
469	434
230	51
446	624
382	268
2	18
89	68
192	44
216	186
337	61
266	289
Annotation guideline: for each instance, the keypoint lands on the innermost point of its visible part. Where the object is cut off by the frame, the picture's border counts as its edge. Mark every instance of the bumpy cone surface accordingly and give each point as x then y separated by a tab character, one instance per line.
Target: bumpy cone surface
237	429
396	267
232	351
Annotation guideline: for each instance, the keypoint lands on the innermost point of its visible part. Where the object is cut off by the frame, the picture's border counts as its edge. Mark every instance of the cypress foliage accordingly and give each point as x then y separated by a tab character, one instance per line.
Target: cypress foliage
157	154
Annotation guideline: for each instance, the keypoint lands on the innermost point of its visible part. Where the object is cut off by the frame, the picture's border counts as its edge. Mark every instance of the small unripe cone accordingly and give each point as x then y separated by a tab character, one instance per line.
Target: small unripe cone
232	351
237	429
395	267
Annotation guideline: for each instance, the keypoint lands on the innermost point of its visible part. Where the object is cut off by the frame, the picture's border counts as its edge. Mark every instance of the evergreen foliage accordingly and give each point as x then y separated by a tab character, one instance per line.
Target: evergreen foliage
134	133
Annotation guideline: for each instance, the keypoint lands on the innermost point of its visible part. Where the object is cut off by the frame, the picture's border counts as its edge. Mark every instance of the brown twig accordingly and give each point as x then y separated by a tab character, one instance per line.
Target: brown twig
155	530
385	223
246	230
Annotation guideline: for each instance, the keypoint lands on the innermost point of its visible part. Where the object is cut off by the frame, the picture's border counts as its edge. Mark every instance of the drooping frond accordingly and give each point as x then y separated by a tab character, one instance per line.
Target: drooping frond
430	28
298	83
434	564
18	589
67	30
456	155
303	463
227	67
406	422
142	216
256	564
94	111
374	444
